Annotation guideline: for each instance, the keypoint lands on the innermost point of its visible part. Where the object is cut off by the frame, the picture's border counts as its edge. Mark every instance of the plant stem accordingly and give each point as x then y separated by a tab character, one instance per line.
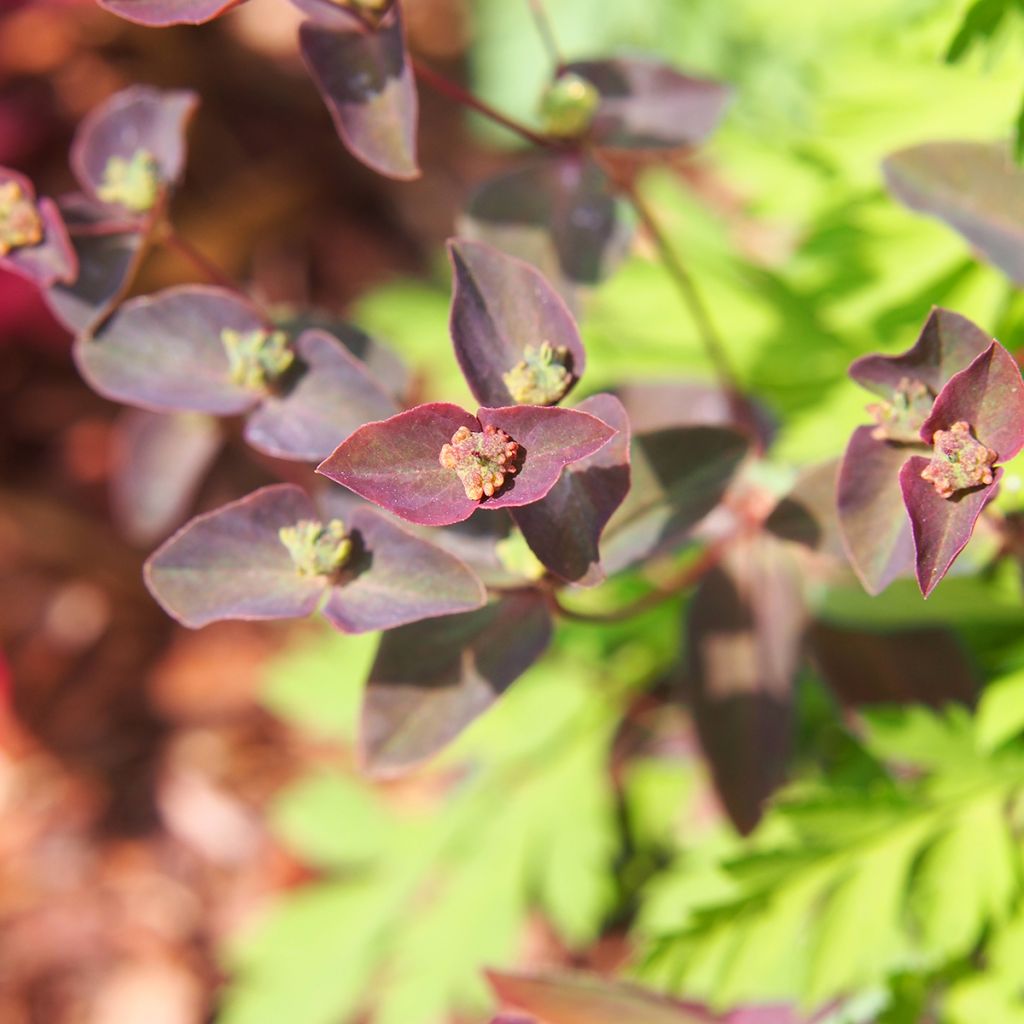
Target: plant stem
104	229
684	579
453	91
202	263
546	31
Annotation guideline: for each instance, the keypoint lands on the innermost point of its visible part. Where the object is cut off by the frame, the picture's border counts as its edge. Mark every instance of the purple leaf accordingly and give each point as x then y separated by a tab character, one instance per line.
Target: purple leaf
364	76
107	265
678	476
503	311
925	665
430	680
232	564
941	526
872	520
137	120
160	13
989	396
33	239
648	105
744	632
165	352
395	463
563	528
807	515
564	204
328	395
162	461
396	578
974	187
947	344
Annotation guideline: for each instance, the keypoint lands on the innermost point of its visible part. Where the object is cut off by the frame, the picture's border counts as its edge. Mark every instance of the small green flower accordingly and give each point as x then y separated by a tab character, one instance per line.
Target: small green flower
901	418
541	377
317	549
133	183
568	106
257	358
20	224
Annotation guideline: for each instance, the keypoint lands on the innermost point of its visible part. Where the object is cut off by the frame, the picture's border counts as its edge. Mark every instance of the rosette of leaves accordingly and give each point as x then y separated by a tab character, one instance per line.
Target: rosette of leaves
272	555
956	392
33	237
197	348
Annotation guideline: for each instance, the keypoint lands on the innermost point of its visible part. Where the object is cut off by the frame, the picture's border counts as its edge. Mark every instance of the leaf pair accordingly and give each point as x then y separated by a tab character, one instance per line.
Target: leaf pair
956	390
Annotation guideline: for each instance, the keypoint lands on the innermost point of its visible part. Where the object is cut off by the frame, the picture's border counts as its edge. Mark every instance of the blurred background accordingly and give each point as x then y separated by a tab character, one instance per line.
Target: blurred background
184	835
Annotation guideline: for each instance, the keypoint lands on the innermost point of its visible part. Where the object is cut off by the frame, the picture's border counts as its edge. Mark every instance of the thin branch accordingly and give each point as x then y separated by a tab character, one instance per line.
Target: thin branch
546	31
453	91
106	228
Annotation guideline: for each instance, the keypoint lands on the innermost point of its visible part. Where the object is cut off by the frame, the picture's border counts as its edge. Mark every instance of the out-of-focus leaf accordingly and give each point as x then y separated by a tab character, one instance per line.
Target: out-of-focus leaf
395	463
979	24
941	526
162	460
678	476
649	105
565	205
364	76
976	188
159	13
744	631
395	579
48	260
325	397
1001	711
873	521
430	680
231	563
926	665
564	527
501	306
137	120
165	352
807	513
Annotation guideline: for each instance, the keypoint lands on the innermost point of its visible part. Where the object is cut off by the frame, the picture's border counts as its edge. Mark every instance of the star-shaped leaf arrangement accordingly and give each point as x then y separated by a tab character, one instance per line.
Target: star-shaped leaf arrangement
437	464
34	240
197	348
272	555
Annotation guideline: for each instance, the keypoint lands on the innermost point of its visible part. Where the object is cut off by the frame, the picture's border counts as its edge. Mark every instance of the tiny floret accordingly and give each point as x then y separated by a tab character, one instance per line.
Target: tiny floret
317	549
901	418
568	106
133	183
541	377
20	223
482	460
959	461
257	358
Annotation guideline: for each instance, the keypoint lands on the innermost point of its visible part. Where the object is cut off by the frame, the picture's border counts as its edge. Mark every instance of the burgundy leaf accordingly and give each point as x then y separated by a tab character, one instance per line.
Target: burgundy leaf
396	578
162	460
947	344
107	265
941	526
576	998
926	665
678	475
807	515
566	205
744	632
500	307
563	528
431	679
366	81
395	463
976	188
326	397
649	105
160	13
139	119
872	520
989	396
40	250
232	564
165	352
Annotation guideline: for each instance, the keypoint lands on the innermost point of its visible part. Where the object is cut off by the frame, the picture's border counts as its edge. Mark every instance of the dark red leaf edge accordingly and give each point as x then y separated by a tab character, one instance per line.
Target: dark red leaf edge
53	259
162	13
